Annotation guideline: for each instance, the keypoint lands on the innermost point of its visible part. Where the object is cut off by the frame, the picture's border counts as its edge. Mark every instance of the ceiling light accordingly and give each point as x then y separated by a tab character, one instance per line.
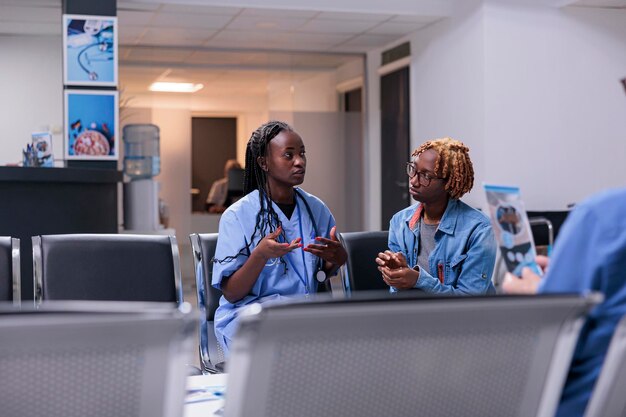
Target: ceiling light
266	25
170	87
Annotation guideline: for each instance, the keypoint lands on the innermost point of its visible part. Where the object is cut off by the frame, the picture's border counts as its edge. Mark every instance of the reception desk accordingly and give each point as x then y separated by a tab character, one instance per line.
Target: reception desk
40	201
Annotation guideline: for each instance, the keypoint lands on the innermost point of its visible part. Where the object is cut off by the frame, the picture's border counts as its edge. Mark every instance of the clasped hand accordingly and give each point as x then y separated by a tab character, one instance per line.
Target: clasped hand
395	270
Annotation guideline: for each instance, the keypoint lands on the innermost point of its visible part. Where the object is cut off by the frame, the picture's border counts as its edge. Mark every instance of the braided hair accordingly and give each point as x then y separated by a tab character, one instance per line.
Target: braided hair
453	163
255	178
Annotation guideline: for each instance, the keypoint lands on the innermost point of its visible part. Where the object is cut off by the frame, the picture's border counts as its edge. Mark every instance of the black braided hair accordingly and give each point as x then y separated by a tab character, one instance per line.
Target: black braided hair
255	178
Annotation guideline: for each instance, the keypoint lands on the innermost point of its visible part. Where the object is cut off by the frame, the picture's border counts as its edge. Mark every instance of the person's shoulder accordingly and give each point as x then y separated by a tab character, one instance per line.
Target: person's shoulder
249	202
312	200
606	206
607	199
405	213
472	214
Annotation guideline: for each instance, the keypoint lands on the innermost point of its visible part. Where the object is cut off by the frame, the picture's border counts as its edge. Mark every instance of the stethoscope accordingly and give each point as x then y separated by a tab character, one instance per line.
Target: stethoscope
320	275
104	47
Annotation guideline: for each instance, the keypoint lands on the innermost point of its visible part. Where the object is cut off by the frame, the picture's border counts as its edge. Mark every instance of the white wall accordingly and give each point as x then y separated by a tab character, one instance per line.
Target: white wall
313	98
447	85
31	93
533	91
446	82
175	177
555	110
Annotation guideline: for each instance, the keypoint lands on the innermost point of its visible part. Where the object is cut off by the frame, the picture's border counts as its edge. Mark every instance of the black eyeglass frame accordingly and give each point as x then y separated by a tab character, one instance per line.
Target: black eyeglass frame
422	177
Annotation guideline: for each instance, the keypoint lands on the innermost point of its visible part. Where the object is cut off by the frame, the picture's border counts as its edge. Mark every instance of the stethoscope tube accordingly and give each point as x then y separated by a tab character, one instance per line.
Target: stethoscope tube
320	275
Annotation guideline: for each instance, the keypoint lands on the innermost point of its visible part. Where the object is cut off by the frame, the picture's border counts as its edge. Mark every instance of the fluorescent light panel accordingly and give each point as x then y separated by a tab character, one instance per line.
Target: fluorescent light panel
170	87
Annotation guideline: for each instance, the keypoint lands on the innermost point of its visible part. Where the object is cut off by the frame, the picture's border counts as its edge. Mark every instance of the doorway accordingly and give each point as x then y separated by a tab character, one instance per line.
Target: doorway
395	143
213	142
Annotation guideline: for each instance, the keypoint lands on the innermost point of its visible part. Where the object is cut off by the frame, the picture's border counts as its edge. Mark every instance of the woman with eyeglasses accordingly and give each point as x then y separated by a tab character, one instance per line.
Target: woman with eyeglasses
440	244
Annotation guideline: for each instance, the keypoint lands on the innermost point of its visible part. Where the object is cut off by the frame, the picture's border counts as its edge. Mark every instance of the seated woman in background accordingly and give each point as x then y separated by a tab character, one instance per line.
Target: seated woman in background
440	244
260	254
216	200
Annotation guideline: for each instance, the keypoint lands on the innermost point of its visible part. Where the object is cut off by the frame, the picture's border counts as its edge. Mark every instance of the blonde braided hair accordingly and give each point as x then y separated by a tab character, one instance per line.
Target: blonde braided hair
453	163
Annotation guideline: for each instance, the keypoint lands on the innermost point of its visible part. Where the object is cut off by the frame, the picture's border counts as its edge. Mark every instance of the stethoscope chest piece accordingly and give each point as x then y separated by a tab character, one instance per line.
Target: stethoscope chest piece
320	276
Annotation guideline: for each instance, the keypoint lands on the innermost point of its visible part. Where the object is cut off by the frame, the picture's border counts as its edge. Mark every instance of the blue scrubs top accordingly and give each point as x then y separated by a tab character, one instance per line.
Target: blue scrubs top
278	280
590	255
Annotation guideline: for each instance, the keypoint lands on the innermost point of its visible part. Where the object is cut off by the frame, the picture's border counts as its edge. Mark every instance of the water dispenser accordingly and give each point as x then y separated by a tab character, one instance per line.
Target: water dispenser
141	151
141	163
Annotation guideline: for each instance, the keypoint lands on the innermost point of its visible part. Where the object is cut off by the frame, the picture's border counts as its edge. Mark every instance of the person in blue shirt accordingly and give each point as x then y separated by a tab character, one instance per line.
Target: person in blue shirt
440	245
277	241
589	255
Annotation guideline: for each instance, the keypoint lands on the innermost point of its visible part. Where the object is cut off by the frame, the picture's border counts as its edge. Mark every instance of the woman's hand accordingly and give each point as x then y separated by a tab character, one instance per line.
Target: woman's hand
529	282
395	270
391	260
269	248
240	283
330	250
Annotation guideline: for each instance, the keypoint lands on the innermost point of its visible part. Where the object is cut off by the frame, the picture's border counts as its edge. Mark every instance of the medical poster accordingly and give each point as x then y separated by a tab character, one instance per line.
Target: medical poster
90	50
91	124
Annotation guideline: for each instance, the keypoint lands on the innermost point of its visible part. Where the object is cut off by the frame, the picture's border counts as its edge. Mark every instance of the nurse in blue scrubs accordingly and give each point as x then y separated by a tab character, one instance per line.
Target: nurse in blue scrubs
277	241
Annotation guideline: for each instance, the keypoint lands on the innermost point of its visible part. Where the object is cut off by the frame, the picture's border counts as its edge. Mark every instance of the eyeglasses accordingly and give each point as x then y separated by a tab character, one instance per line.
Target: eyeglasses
422	177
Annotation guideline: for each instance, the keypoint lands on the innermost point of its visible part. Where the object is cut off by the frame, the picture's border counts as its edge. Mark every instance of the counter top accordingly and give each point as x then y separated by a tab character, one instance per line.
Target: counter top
76	175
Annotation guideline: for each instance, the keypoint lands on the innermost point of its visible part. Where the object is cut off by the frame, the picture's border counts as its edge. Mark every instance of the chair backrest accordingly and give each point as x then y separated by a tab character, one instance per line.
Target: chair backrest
10	287
400	355
106	267
70	359
541	234
203	248
608	397
360	272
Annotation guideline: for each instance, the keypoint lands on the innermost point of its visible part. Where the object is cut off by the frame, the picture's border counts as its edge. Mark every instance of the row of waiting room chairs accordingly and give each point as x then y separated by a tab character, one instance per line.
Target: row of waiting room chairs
146	268
117	263
95	255
118	267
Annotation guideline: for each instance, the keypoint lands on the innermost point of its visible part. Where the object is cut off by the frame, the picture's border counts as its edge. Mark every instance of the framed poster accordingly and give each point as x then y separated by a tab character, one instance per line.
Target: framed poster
91	124
90	50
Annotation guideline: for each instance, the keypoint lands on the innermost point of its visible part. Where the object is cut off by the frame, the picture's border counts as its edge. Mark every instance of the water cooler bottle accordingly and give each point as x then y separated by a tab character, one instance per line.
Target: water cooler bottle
141	163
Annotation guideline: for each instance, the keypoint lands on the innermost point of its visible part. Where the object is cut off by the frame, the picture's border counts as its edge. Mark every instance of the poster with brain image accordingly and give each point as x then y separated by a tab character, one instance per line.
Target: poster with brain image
91	123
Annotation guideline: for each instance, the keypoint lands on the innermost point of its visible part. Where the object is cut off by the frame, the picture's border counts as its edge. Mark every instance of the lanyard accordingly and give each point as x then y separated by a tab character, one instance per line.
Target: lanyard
305	278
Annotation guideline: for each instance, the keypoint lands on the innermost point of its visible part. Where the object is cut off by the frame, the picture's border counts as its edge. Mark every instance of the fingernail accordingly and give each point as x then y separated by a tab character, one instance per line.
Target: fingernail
299	245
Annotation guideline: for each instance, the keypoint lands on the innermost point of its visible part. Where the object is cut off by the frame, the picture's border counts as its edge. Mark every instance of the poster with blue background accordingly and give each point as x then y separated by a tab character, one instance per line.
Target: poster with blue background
91	123
90	50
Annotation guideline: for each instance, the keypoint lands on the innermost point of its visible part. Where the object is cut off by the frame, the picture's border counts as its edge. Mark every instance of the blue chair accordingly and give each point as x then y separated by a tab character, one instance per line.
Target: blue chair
211	352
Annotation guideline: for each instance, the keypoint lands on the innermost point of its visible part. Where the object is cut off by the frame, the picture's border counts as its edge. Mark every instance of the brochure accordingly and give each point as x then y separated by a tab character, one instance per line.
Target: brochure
42	145
511	228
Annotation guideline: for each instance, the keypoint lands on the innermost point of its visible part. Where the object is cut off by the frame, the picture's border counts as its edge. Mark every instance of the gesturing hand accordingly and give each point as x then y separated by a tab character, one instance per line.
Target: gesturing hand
269	248
391	260
330	250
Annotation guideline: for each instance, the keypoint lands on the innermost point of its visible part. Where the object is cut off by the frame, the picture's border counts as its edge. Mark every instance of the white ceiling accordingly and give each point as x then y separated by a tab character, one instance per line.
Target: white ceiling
243	48
239	48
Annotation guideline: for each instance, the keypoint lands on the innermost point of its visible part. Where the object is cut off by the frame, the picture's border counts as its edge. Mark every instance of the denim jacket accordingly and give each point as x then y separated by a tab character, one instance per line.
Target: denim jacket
464	253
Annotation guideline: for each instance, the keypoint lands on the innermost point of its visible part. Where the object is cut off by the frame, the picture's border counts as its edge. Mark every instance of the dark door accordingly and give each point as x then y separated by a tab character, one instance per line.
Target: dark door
352	100
213	142
395	142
